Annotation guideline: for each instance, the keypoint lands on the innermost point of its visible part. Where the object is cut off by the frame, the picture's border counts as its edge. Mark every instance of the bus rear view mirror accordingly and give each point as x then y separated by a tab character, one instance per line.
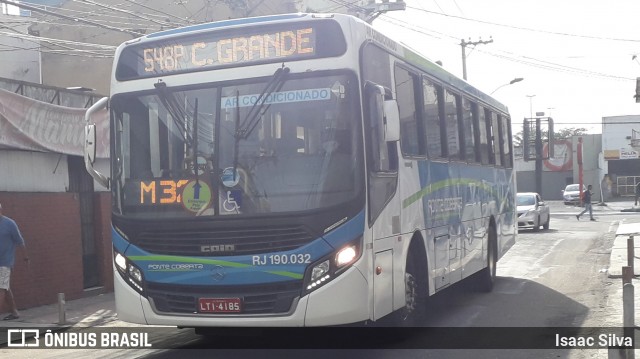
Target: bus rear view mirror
392	121
90	143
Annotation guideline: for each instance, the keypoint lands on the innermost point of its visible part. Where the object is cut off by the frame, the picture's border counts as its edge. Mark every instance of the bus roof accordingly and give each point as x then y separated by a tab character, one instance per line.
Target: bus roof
226	23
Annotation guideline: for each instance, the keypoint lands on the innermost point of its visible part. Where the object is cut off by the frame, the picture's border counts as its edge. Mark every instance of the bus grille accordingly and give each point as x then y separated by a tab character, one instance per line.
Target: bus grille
256	299
224	242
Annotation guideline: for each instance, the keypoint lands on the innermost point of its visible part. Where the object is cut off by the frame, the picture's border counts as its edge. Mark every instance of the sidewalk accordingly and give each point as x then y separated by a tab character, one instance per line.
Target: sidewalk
619	253
614	206
90	311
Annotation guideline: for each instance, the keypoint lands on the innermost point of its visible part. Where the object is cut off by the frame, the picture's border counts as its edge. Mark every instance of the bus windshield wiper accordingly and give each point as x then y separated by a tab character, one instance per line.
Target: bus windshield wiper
244	129
258	109
176	111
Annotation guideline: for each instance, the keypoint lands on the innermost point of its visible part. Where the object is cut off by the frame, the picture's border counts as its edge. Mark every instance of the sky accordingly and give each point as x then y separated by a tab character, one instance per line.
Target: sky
575	56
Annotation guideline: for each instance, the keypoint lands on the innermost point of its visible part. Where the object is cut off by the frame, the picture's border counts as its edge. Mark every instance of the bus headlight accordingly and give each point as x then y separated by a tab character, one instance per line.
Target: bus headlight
320	270
329	267
346	255
121	261
135	273
128	271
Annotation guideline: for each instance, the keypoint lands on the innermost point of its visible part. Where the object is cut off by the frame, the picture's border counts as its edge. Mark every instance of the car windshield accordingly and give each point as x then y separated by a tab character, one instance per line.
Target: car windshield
212	151
572	188
525	200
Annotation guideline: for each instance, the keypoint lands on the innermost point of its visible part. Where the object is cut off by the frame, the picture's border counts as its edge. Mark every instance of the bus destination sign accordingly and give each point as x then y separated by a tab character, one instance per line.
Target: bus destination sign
180	56
211	50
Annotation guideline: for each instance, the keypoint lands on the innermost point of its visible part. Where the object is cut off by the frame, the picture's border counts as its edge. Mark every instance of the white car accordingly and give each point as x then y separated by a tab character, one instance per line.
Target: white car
571	193
532	211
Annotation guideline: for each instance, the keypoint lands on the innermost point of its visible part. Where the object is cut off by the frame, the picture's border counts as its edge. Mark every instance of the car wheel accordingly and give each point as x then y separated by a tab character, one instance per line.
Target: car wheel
546	224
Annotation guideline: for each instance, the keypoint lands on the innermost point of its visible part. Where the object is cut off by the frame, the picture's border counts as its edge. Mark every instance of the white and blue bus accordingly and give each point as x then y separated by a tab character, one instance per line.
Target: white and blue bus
298	170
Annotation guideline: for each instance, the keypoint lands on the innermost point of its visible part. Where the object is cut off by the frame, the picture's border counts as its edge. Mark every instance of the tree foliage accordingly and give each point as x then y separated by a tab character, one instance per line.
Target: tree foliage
560	134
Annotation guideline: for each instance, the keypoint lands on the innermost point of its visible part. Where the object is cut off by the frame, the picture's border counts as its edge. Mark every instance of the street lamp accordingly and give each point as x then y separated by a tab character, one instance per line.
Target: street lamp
531	104
517	79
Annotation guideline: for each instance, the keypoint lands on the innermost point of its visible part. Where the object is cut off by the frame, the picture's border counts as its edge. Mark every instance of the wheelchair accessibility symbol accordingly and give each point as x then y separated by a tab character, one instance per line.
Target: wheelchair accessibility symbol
233	201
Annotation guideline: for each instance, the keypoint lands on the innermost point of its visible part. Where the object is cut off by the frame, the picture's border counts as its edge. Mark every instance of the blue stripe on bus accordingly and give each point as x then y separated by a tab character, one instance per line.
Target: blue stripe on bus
346	232
245	269
217	24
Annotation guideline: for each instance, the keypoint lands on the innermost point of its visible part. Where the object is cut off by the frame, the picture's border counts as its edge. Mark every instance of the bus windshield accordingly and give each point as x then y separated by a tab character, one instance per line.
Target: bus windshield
221	150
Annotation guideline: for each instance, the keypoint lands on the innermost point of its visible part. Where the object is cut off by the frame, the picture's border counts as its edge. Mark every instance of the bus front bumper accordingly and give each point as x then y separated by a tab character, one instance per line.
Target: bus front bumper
341	301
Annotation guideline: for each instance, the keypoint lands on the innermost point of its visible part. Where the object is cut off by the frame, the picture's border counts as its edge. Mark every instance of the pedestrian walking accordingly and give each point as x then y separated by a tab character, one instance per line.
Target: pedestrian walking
10	238
637	192
586	197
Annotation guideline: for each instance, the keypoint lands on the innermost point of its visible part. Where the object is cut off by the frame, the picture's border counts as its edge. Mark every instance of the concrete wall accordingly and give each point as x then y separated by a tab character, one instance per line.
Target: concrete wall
50	225
552	183
23	171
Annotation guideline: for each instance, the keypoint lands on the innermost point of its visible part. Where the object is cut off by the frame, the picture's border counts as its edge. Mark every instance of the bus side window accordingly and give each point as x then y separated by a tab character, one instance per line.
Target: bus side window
494	137
483	142
431	118
507	142
382	155
451	124
468	134
411	140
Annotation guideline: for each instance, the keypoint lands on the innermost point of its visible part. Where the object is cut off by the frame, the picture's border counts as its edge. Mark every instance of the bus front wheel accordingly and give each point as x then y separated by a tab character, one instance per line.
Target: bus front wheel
416	290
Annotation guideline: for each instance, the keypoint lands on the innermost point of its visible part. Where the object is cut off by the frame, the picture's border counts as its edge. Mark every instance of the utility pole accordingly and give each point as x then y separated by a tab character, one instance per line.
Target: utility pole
538	146
533	127
464	44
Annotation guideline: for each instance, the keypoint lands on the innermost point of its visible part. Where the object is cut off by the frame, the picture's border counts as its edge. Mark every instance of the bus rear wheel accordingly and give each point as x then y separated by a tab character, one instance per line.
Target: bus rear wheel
487	276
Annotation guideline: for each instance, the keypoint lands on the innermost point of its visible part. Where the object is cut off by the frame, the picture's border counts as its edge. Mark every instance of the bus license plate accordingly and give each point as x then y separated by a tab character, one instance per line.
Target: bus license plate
219	305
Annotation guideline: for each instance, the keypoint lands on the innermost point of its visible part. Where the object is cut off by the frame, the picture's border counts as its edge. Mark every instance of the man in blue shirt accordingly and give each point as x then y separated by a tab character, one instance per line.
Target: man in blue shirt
586	197
10	238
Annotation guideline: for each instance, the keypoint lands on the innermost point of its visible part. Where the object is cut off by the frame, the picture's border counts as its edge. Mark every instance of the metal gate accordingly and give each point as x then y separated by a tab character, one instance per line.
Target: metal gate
627	185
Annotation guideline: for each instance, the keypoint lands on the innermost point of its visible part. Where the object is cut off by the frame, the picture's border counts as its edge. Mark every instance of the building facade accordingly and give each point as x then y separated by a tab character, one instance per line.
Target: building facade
64	216
621	152
563	168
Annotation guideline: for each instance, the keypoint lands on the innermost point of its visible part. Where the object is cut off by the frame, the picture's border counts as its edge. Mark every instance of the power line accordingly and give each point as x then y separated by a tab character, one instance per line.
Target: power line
524	28
131	13
66	42
27	7
134	2
530	61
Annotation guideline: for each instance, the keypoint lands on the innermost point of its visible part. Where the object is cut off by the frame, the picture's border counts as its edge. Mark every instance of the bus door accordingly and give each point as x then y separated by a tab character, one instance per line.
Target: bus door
383	200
